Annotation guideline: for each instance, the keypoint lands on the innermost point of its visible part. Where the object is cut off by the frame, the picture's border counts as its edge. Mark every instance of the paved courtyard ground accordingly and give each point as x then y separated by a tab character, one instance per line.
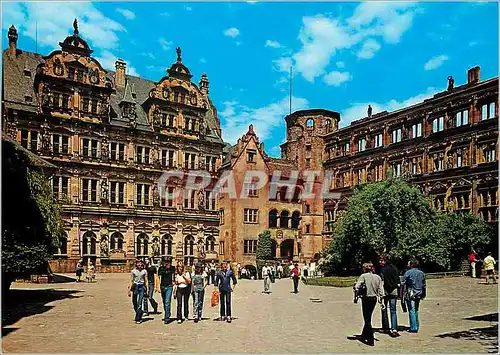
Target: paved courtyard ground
98	318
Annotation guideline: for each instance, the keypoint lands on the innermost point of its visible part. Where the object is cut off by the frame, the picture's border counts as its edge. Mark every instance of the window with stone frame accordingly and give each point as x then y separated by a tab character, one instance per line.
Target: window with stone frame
89	190
90	147
189	199
142	154
251	153
361	144
396	135
489	154
396	169
60	187
438	124
71	73
438	161
462	118
167	158
249	246
189	160
85	104
57	99
210	201
65	101
117	151
488	111
221	216
250	189
459	158
416	130
250	215
210	163
308	229
142	194
117	192
378	140
169	199
221	247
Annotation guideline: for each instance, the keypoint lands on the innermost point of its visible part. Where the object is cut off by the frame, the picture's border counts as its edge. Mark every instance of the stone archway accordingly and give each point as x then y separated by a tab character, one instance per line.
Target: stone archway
286	249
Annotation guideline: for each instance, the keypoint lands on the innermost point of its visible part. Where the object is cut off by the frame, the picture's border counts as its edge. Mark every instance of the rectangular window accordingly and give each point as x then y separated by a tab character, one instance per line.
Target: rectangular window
414	168
488	111
24	138
142	194
142	154
251	155
462	118
250	215
396	168
89	190
57	100
249	246
93	106
347	147
308	147
378	140
117	193
65	101
416	130
167	158
65	145
55	143
250	189
210	163
221	248
34	140
71	73
438	124
489	155
189	161
221	216
55	186
189	199
459	159
361	144
94	148
168	199
90	147
396	135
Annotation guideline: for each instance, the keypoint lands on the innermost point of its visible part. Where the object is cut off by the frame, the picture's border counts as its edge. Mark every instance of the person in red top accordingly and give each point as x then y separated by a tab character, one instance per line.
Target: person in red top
295	277
472	261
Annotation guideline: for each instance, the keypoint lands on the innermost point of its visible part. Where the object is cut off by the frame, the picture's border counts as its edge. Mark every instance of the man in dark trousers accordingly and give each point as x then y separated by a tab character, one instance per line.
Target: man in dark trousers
151	269
223	280
295	277
390	276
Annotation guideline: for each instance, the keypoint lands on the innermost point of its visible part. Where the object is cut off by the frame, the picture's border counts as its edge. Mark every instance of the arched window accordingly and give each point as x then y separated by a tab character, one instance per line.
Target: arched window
210	244
328	126
166	245
310	123
295	219
142	244
284	219
116	242
273	219
89	243
189	245
63	244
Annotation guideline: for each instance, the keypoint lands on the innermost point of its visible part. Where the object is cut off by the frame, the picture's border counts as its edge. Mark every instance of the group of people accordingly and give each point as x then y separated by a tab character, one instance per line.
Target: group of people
488	264
181	284
385	289
269	274
80	269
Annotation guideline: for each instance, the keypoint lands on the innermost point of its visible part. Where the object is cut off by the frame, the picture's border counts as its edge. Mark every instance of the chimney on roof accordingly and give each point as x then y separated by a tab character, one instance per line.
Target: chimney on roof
120	67
204	84
474	75
12	35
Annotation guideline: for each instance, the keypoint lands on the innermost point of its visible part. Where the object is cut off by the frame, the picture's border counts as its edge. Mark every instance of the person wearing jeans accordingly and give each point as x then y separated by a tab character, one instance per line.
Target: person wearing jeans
266	275
166	273
223	280
151	269
415	290
295	277
390	277
182	280
199	282
374	291
138	289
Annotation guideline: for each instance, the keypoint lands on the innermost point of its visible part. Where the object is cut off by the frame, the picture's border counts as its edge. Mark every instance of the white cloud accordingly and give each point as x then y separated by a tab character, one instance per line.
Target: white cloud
322	36
283	64
435	62
148	54
129	15
166	14
232	32
108	59
359	110
251	2
54	22
368	50
273	44
340	64
165	45
188	8
237	117
336	78
203	60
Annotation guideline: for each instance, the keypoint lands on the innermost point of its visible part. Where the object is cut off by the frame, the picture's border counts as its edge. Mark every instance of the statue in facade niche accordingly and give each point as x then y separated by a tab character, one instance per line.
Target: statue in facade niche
156	247
156	196
104	191
104	247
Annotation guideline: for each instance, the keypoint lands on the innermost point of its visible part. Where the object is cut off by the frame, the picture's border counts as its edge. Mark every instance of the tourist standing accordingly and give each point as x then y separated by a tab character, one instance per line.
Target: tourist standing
151	269
415	291
166	272
266	275
212	273
373	293
138	288
472	261
79	270
280	271
223	280
390	278
199	282
182	280
295	277
489	265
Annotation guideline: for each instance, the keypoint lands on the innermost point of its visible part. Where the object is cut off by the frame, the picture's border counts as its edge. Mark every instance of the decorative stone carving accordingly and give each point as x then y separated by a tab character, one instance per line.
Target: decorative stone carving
104	191
156	247
156	196
104	247
58	67
201	199
104	150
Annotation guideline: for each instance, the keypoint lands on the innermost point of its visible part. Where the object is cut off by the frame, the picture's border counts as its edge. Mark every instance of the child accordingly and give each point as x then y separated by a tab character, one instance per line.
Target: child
198	288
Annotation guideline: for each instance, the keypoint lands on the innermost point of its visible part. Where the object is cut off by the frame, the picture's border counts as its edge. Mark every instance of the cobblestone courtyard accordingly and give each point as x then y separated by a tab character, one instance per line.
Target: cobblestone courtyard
98	317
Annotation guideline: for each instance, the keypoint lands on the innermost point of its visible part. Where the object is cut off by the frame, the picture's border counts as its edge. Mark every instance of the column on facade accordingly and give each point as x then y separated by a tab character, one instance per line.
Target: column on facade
74	240
130	239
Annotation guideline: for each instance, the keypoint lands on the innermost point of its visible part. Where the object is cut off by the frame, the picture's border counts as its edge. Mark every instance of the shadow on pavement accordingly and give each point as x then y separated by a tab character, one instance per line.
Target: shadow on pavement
17	304
486	336
59	279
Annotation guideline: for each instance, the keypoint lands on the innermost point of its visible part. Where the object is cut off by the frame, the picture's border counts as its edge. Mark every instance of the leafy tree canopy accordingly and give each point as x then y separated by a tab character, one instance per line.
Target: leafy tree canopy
394	217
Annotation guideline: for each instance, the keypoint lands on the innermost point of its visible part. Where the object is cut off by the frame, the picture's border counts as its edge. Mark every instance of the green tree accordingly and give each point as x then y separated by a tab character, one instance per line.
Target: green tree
31	218
394	217
264	246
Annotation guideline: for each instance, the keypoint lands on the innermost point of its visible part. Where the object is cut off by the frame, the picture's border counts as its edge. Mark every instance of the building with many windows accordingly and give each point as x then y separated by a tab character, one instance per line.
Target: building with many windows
111	135
446	145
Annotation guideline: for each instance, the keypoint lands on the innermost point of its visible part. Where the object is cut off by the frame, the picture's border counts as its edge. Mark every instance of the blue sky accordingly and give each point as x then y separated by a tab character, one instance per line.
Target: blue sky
344	55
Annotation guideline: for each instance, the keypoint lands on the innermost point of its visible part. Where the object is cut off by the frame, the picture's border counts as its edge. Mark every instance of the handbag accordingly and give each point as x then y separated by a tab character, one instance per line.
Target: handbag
215	298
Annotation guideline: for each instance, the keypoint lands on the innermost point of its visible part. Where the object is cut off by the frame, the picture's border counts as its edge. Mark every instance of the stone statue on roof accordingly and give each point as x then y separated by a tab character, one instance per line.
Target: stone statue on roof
178	50
75	26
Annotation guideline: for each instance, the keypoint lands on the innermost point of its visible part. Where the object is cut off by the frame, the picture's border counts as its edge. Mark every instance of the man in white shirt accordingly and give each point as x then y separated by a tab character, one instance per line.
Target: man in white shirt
280	271
266	275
